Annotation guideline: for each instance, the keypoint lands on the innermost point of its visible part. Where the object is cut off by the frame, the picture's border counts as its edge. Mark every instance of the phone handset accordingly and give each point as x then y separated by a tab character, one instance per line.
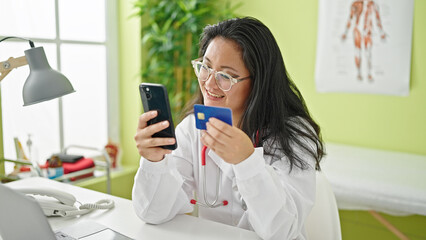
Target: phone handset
63	197
63	204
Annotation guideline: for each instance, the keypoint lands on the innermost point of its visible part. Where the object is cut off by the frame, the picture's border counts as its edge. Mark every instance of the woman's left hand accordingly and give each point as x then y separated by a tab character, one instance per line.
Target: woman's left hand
228	142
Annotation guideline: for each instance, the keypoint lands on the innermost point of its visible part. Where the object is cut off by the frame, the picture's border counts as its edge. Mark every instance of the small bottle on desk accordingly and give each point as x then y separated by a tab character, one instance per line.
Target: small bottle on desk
55	168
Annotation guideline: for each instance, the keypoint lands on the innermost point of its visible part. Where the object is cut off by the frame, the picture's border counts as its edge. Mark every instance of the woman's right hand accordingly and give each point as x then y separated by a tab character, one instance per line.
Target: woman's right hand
148	146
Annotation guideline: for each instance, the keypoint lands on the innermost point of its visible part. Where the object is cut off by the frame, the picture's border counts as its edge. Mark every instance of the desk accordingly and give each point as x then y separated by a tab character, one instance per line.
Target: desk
123	219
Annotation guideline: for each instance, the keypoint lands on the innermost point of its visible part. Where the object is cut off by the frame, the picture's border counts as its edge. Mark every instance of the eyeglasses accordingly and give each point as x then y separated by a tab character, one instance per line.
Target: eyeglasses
223	80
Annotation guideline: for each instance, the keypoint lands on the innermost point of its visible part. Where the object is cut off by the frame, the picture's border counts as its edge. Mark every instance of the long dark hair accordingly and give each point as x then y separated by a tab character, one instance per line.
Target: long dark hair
275	109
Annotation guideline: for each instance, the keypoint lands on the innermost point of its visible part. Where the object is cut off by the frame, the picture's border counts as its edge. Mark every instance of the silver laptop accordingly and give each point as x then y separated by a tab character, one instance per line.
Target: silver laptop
22	218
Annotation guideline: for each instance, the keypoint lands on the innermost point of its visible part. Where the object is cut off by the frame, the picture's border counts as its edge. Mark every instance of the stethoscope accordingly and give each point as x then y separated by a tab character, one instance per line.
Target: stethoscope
215	203
206	203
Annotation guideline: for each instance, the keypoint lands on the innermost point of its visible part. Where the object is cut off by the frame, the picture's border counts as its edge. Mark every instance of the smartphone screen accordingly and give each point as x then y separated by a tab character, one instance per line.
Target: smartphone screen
154	97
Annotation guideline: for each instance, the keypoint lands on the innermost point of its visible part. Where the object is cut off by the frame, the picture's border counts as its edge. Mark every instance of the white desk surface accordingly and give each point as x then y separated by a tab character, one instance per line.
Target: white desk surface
123	219
372	179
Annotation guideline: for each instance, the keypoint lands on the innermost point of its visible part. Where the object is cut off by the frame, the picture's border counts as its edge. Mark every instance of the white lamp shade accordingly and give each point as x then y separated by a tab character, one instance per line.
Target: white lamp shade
43	83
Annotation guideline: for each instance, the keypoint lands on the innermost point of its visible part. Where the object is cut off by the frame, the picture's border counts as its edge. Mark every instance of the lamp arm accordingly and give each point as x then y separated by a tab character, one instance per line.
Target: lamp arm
7	66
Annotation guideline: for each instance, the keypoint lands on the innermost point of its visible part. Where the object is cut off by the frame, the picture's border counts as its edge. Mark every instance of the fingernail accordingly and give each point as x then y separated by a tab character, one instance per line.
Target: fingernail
164	123
171	140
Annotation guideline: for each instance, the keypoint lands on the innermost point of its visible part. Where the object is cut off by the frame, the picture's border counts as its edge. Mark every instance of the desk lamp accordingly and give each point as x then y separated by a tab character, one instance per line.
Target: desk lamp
42	84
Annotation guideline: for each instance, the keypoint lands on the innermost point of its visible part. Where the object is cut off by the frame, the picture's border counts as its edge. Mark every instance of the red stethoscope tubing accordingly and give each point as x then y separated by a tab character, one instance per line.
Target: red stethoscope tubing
203	155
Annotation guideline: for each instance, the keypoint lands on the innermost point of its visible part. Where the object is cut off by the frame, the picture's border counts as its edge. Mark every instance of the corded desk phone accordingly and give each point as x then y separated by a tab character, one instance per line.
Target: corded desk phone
58	203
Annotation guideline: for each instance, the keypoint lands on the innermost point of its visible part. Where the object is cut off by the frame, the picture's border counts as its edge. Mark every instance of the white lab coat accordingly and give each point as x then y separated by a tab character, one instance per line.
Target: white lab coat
276	202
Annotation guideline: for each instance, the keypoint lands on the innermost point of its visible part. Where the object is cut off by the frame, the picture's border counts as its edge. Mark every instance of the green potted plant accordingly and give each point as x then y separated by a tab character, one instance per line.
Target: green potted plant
170	36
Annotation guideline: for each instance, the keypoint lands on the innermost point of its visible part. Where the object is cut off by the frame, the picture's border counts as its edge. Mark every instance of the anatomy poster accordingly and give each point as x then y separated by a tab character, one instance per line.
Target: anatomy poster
364	46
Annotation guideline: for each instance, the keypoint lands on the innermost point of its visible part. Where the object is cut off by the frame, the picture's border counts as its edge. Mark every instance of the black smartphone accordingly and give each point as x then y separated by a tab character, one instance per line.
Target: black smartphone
154	97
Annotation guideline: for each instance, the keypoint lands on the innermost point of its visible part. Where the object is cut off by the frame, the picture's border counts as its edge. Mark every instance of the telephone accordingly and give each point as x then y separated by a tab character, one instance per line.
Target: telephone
58	203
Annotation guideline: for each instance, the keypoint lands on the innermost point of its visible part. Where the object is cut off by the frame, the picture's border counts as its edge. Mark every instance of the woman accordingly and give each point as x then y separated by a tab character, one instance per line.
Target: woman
266	160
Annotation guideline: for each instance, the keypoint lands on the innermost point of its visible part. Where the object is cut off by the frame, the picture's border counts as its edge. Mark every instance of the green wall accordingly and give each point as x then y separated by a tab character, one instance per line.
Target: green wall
384	122
130	62
2	171
376	121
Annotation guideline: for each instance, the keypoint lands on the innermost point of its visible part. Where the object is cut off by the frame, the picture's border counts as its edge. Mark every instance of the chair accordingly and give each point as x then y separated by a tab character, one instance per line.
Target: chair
323	222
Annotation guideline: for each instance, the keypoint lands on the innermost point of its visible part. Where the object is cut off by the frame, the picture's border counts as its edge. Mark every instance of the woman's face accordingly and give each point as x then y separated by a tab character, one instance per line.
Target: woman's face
225	55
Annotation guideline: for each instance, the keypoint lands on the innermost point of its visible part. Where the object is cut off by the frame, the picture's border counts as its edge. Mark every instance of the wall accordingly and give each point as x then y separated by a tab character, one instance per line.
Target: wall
130	62
385	122
121	183
2	171
376	121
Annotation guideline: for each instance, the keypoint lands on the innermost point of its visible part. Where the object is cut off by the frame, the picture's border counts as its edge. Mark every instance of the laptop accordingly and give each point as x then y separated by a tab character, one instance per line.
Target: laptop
21	217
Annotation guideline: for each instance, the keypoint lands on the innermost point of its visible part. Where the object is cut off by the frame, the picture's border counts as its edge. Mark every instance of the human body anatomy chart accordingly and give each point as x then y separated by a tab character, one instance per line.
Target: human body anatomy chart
364	46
